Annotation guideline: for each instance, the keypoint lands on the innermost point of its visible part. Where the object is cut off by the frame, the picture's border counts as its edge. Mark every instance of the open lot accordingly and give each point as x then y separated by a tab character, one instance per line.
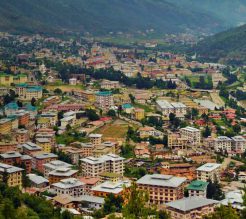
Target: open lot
117	129
65	88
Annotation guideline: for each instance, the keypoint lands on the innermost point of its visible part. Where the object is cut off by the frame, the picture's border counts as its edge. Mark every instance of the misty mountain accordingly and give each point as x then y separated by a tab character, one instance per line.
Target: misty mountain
103	16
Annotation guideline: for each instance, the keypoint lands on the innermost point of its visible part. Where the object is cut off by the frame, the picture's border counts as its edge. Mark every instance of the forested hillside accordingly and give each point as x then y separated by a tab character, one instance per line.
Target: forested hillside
100	17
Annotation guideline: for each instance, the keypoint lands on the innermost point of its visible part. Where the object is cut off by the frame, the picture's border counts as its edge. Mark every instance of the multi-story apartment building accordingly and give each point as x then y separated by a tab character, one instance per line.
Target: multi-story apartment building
41	158
238	144
93	167
5	126
30	148
22	136
14	175
106	84
209	171
27	92
104	99
53	165
108	187
139	114
193	135
15	158
197	188
85	95
176	142
6	146
179	109
61	173
70	186
223	143
190	208
44	143
162	188
47	120
7	79
95	139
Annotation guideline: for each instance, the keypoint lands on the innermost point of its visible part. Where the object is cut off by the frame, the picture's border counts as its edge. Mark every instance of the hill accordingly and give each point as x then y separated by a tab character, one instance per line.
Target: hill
100	17
227	47
233	13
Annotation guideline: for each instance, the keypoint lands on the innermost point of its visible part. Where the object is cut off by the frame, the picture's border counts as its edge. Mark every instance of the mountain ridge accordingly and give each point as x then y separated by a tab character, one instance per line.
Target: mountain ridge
102	17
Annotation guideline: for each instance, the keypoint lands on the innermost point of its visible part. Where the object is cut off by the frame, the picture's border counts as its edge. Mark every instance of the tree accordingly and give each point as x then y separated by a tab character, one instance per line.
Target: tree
112	204
19	103
214	191
223	212
207	132
58	91
92	115
132	98
136	200
8	210
33	101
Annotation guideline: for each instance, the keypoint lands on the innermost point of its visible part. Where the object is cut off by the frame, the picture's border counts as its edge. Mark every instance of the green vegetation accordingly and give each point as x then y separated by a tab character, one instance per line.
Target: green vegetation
100	17
227	47
15	205
70	136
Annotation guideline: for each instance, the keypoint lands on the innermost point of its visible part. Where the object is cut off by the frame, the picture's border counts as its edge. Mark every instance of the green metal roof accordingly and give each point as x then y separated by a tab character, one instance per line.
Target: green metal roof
198	185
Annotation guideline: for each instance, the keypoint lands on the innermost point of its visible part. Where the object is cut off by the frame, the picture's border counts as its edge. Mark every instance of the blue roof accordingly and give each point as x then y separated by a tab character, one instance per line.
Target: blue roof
34	88
104	93
127	106
29	107
12	105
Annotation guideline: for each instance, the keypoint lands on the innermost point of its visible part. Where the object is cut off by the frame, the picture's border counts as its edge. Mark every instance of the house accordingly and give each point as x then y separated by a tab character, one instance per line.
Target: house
89	183
192	207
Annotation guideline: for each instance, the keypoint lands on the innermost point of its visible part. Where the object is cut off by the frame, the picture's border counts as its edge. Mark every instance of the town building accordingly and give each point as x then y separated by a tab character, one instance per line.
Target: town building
41	158
176	142
30	148
209	171
108	187
89	183
44	143
177	108
193	135
60	174
238	144
27	92
162	188
5	126
14	175
95	139
69	186
53	165
22	136
104	99
223	143
197	188
192	207
93	167
37	181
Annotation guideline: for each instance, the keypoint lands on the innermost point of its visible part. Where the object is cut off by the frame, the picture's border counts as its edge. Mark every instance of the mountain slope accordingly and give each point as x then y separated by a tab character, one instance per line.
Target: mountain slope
101	16
226	47
232	12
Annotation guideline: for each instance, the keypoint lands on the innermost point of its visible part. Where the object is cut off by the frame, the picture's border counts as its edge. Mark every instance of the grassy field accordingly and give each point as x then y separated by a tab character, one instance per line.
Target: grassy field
146	108
65	87
114	130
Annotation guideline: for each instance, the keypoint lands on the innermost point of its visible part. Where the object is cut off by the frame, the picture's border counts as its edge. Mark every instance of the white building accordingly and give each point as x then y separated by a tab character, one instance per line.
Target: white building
72	81
193	135
238	144
209	171
54	165
223	143
93	167
70	186
179	109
